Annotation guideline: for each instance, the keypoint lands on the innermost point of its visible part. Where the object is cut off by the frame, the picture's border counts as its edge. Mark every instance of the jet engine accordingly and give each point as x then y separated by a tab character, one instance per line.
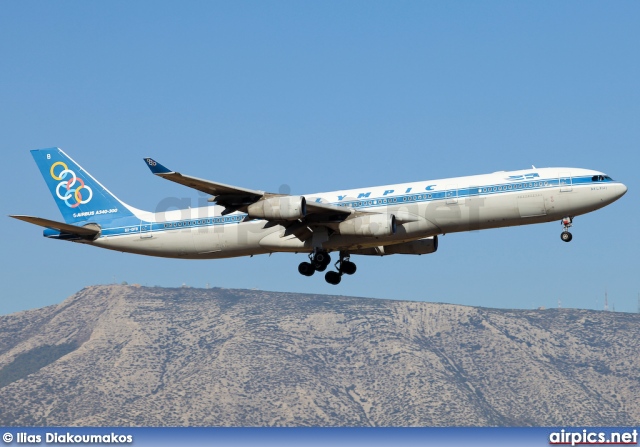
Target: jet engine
279	208
369	225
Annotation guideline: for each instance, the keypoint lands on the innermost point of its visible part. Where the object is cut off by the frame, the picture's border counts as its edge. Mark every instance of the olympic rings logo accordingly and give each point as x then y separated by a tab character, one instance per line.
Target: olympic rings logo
75	194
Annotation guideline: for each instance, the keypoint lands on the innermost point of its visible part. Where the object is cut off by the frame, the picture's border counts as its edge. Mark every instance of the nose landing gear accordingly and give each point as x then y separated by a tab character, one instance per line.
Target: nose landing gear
566	224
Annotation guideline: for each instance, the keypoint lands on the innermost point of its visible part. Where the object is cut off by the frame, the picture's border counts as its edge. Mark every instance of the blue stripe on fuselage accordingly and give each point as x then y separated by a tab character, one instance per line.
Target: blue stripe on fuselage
133	226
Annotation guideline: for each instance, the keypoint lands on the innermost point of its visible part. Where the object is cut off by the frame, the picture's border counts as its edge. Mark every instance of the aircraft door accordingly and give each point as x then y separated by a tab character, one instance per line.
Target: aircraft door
565	182
145	230
451	194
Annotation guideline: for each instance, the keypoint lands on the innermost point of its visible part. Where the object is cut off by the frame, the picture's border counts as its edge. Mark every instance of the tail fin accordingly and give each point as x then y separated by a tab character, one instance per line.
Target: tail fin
79	196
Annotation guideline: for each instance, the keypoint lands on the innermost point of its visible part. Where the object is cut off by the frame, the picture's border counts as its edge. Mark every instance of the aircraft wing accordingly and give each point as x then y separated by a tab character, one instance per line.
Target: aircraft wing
62	227
226	195
234	198
321	212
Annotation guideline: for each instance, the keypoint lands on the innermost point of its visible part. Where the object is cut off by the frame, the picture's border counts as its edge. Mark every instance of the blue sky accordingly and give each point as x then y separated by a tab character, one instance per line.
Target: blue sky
324	96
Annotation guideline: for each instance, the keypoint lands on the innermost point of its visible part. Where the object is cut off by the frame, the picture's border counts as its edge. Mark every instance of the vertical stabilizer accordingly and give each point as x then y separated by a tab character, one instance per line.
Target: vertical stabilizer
79	196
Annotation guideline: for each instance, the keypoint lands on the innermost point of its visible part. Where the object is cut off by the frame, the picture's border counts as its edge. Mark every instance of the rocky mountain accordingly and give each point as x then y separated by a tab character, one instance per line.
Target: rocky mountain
138	356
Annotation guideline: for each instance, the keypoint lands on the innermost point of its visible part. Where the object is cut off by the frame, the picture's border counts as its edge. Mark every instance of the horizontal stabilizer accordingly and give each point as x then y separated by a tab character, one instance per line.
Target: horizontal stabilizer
62	227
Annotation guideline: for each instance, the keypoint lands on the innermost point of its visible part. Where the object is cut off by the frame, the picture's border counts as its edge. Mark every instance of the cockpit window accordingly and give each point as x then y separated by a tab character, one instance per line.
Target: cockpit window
601	178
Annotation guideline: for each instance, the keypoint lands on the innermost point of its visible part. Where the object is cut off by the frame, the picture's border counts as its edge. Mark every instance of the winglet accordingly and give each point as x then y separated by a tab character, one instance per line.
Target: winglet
156	167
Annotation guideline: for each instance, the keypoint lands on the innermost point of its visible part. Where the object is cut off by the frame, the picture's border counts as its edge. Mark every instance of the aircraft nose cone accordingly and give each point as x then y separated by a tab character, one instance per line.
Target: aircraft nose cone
622	190
611	193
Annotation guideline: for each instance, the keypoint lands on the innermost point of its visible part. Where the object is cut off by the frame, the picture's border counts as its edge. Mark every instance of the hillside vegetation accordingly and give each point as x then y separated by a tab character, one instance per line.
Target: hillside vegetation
123	355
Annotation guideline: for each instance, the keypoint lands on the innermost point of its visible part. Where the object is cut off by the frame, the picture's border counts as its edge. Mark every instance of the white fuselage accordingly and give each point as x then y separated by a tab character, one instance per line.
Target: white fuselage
422	209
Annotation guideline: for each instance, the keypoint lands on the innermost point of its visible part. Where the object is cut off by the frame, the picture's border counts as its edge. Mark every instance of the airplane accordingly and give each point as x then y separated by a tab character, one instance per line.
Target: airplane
378	221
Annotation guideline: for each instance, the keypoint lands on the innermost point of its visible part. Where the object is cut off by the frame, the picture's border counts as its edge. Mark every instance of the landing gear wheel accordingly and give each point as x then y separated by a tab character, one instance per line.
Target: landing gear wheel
306	269
344	265
333	277
348	267
321	257
567	222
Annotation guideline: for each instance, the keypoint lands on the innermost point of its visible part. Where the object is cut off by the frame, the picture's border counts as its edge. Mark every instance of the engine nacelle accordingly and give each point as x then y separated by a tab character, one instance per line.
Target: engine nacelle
370	225
279	208
419	247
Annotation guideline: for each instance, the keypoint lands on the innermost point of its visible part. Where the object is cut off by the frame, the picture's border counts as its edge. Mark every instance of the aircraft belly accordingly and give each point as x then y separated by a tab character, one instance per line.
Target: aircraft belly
169	243
228	240
193	243
207	240
177	243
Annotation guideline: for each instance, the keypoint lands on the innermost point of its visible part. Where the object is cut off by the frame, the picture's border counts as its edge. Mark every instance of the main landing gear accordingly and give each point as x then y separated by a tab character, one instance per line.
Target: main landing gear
319	261
566	224
344	265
